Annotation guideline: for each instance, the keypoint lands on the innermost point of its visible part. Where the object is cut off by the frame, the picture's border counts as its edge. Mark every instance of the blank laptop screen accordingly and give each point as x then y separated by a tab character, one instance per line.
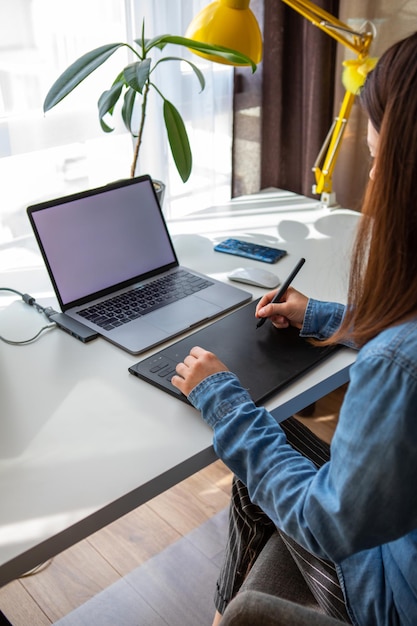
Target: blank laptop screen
100	240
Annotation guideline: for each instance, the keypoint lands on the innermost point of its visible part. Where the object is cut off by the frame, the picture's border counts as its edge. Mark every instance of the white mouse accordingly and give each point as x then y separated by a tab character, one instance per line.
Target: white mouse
254	276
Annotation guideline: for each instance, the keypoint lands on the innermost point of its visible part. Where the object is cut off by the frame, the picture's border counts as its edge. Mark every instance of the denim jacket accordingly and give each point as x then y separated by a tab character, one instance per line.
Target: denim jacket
360	509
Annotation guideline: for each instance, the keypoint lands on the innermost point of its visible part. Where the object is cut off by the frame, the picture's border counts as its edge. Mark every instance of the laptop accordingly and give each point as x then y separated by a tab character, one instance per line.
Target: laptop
113	266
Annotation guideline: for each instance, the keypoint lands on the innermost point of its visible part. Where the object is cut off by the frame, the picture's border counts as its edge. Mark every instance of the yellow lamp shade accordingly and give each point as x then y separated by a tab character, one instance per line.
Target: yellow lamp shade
228	23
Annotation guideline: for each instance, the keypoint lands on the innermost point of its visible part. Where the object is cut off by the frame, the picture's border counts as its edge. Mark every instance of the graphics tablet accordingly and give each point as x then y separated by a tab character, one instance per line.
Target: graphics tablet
264	359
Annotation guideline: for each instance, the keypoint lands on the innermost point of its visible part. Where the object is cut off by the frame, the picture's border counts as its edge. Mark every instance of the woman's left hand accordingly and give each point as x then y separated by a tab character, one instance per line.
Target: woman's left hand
197	366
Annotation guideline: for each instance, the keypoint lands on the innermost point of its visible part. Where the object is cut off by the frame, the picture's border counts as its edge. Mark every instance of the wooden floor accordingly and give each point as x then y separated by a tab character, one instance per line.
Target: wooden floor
77	575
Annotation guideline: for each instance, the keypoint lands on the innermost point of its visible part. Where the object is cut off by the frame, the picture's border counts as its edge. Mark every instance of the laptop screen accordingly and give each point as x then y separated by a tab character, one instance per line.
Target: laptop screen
102	238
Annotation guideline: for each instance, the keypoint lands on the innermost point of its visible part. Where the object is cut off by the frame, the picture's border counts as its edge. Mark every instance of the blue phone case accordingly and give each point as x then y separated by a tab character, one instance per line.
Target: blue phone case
250	250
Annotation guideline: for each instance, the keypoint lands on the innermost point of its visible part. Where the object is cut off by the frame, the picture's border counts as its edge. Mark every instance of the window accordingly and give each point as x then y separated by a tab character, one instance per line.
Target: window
46	156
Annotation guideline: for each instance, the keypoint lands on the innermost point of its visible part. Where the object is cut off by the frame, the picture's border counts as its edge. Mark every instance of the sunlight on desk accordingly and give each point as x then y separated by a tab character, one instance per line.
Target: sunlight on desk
27	532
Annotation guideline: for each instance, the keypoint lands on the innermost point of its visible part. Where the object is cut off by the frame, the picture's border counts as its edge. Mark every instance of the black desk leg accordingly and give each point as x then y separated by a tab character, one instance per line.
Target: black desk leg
3	620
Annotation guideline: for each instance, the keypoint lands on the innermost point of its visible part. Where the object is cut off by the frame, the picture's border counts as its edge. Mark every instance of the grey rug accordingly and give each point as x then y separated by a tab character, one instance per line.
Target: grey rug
174	588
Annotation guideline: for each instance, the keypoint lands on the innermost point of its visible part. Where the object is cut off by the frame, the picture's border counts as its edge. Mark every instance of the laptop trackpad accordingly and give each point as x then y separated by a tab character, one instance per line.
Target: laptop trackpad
180	316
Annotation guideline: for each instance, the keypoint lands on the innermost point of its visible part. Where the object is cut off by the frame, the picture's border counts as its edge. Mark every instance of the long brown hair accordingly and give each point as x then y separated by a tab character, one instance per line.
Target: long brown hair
383	276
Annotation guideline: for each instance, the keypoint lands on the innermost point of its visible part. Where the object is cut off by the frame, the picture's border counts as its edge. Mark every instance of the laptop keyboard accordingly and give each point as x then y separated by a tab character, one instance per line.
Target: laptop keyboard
142	300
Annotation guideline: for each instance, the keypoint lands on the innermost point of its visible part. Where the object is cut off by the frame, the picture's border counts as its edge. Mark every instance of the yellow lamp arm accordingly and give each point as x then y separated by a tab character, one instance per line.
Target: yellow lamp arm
326	159
357	42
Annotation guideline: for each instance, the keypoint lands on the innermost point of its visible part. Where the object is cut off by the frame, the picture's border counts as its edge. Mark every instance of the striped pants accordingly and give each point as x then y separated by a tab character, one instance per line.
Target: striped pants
283	568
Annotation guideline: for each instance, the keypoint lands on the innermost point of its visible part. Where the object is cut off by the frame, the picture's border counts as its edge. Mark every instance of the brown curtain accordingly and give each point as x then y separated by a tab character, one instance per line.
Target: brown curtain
290	99
247	110
284	111
297	96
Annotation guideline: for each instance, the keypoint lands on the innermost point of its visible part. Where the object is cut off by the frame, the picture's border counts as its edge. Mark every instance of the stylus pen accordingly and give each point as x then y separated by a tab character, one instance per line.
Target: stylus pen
283	289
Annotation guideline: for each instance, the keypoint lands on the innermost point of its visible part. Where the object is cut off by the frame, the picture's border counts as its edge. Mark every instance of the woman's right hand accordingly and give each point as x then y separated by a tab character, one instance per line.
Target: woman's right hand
289	312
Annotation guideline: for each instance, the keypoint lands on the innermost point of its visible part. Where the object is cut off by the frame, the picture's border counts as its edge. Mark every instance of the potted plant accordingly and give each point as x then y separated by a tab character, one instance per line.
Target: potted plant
135	82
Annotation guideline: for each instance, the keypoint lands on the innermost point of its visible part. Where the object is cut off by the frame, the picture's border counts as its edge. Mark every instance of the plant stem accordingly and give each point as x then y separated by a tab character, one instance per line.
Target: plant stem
140	132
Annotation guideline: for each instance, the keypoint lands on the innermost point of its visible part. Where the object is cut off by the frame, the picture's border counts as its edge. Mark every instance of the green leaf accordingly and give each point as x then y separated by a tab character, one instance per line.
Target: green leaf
106	104
196	70
156	42
119	78
77	72
178	140
127	108
105	127
232	56
137	74
108	99
148	44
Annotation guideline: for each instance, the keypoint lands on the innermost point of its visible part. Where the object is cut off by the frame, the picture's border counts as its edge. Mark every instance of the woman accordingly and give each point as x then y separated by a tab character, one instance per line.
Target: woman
348	520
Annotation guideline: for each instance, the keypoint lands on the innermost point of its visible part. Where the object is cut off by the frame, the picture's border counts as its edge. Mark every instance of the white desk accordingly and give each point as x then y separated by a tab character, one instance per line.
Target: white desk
82	441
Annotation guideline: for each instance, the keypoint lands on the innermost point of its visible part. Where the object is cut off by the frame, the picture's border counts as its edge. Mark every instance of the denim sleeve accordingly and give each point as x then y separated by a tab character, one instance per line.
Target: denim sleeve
322	319
371	475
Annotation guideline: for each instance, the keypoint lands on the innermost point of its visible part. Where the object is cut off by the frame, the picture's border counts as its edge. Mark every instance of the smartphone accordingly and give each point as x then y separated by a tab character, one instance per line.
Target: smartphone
250	250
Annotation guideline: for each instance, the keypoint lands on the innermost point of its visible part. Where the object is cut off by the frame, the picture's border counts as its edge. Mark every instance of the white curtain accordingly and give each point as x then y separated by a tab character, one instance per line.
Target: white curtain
45	156
208	115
